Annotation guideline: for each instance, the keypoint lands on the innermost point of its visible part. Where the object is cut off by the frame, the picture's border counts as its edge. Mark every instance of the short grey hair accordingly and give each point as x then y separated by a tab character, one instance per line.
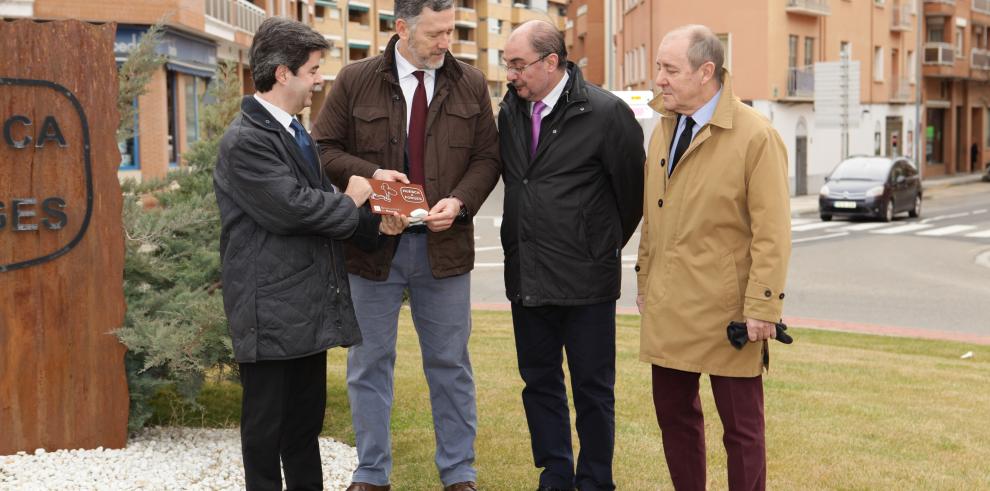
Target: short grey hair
703	46
409	10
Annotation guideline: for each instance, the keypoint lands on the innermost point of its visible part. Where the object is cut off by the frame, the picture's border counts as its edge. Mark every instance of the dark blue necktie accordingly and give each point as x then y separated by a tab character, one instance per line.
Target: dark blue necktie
306	145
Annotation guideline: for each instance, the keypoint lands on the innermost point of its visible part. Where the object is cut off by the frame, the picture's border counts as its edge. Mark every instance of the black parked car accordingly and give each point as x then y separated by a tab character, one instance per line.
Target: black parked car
876	187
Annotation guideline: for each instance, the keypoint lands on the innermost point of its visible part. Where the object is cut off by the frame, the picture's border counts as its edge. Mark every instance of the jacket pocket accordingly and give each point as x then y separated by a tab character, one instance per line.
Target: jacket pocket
730	283
370	128
289	282
461	126
600	234
289	314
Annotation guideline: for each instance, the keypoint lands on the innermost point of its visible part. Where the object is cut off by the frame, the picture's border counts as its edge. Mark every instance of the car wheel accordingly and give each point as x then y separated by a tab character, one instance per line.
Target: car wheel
888	211
826	218
916	211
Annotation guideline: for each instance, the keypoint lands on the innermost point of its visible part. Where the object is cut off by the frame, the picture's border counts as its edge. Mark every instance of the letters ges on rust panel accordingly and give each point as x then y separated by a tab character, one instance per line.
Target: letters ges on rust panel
46	203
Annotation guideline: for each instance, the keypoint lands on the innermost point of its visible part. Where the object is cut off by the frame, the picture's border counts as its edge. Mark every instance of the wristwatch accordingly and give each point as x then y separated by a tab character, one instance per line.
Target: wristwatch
463	214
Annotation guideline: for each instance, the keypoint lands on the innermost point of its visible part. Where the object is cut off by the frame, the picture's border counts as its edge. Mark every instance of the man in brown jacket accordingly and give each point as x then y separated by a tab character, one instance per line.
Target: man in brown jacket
713	249
414	111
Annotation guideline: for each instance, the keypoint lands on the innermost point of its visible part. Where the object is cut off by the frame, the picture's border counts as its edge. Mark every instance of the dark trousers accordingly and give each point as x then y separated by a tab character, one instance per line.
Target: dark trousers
739	401
587	334
281	419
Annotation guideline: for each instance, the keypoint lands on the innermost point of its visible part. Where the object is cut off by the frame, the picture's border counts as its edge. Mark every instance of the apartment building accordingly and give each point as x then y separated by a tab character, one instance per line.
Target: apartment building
201	33
588	36
956	96
362	28
772	47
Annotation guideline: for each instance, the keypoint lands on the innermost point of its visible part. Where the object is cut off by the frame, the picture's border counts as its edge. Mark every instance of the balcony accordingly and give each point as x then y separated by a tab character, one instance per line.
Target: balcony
383	39
241	14
500	10
901	89
980	59
17	8
816	8
900	20
359	32
801	84
465	17
522	14
981	7
940	54
492	40
465	50
494	72
581	26
940	7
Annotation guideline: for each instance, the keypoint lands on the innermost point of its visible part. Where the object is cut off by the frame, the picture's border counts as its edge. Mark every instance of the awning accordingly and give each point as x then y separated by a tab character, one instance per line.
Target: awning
357	43
358	7
189	68
183	52
327	3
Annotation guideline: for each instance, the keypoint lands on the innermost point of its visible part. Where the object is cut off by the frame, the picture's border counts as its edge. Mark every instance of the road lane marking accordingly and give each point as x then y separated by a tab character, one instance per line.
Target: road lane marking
489	265
488	248
945	217
801	221
812	226
984	234
820	237
951	229
911	227
859	227
977	212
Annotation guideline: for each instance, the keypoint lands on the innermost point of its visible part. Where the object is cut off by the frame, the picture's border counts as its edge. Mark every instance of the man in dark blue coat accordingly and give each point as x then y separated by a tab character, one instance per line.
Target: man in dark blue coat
285	288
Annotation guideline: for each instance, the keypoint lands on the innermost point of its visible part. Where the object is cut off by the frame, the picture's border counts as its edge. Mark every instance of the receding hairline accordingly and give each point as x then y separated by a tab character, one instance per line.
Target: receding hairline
695	34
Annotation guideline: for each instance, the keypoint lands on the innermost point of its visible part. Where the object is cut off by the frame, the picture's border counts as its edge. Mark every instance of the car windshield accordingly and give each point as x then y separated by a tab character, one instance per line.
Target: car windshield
862	169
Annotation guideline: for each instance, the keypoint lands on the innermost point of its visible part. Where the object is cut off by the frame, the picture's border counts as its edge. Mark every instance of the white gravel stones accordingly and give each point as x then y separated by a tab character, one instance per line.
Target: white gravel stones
157	459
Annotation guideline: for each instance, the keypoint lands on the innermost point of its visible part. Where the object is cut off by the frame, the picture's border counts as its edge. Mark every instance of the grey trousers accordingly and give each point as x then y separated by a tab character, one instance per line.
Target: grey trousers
441	310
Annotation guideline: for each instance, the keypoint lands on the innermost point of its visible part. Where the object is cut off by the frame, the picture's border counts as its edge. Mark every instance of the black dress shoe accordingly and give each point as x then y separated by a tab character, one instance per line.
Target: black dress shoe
544	488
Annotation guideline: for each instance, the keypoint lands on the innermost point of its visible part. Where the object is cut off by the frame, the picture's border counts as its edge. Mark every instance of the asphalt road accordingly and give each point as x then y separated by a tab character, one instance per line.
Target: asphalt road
928	273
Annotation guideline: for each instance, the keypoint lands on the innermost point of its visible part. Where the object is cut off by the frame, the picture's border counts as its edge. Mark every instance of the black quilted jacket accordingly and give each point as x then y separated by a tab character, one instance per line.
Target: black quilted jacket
285	288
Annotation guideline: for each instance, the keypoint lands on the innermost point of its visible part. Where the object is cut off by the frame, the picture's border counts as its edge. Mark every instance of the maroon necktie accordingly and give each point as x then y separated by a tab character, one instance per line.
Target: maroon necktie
417	132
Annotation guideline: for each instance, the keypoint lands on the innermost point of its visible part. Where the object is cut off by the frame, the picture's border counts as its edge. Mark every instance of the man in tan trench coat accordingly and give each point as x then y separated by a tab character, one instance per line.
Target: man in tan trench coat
714	248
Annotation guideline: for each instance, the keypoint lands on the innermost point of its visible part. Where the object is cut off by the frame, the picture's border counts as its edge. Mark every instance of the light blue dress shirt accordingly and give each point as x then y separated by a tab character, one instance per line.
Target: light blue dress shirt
701	117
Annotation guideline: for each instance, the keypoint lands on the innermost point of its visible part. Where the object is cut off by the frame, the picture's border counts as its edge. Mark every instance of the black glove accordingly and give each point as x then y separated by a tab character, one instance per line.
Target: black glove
739	336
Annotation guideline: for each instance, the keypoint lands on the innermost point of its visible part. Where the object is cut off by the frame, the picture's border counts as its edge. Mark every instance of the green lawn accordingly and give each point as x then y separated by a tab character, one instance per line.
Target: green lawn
844	411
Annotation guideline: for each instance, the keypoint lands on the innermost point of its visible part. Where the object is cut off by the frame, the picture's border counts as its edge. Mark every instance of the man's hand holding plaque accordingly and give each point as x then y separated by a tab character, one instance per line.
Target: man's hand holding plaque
398	198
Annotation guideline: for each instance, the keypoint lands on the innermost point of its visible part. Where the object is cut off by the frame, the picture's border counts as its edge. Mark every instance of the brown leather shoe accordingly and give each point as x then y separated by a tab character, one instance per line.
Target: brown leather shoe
363	486
462	486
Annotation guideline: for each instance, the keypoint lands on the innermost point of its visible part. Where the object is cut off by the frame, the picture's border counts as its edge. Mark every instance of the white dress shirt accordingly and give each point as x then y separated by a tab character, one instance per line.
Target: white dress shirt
551	99
284	118
409	83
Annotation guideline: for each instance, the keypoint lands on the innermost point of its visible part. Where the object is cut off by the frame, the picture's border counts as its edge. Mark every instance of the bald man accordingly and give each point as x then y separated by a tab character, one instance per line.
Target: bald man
573	165
713	249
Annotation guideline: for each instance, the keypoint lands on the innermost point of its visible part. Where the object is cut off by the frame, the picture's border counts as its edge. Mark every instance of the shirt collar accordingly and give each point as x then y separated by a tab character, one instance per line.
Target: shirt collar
551	99
284	118
405	69
704	114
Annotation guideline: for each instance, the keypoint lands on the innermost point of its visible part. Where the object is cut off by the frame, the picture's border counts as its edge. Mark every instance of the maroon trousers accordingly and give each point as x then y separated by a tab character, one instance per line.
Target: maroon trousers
682	425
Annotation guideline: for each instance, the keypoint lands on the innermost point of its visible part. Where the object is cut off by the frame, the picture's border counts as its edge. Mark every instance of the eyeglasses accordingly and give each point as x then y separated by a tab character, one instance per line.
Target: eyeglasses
519	69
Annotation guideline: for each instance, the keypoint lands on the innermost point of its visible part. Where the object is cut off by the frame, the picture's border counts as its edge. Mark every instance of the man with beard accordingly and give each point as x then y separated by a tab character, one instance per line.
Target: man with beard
573	166
415	111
